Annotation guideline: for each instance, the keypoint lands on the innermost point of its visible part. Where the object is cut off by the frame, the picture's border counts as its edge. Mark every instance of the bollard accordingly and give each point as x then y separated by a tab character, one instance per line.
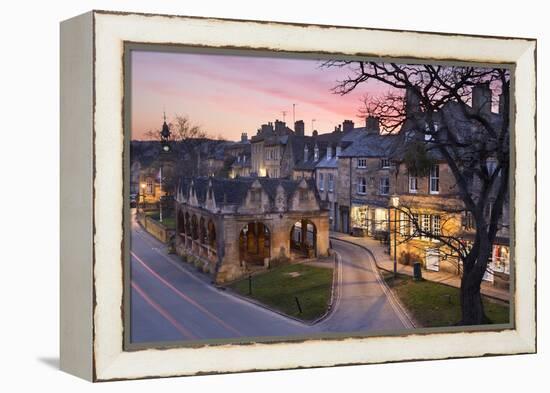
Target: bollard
298	304
250	284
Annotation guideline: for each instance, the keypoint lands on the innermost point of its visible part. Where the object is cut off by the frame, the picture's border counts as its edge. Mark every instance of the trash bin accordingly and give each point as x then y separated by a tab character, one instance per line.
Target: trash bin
417	271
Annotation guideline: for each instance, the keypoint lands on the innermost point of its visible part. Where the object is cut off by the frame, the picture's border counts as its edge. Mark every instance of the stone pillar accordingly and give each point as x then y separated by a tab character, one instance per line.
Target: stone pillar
230	266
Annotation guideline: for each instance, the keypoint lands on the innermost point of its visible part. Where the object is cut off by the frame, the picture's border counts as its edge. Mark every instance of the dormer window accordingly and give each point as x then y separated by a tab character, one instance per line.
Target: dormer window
306	153
329	152
315	153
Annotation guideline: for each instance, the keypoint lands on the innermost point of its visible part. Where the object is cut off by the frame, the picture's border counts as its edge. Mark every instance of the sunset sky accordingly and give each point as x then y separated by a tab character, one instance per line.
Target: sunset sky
227	95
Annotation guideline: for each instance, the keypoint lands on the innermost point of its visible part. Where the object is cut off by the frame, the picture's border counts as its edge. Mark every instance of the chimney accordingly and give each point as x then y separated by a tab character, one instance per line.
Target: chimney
306	153
280	127
412	101
372	125
481	98
348	125
244	137
314	133
266	128
299	127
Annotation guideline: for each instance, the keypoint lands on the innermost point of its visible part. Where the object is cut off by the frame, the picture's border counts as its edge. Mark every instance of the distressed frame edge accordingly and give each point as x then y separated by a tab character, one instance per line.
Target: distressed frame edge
76	207
528	340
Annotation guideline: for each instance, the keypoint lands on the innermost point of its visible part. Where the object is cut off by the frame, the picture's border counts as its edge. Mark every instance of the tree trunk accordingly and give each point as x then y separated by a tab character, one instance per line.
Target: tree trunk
471	303
470	289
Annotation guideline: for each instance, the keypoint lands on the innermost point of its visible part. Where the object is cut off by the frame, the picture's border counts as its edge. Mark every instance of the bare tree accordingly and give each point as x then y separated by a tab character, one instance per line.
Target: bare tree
441	116
183	129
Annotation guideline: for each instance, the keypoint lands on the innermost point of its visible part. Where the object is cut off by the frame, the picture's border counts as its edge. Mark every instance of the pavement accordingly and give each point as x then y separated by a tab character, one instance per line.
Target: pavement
385	262
171	301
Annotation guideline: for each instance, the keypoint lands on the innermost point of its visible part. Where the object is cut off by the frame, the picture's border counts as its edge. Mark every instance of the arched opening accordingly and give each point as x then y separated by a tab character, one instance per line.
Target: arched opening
194	228
211	234
255	243
181	224
303	239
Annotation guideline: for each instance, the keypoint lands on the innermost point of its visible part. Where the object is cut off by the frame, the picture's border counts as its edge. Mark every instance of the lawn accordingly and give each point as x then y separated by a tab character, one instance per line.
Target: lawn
438	305
278	287
168	222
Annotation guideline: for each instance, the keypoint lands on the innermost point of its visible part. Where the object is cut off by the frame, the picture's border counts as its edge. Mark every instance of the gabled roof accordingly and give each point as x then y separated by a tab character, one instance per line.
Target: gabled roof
233	191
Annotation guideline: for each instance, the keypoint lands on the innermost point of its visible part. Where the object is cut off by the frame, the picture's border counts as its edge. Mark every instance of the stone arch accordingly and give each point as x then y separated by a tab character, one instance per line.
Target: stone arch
303	238
255	243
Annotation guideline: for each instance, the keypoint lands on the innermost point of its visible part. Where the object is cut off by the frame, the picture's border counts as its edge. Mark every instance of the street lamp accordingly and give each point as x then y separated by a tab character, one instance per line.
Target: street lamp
394	202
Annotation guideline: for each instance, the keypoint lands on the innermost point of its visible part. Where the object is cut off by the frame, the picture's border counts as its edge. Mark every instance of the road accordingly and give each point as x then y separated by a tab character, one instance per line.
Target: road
171	301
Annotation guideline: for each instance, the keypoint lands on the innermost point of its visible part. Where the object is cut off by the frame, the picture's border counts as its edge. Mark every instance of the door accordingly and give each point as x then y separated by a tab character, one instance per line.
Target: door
344	219
432	259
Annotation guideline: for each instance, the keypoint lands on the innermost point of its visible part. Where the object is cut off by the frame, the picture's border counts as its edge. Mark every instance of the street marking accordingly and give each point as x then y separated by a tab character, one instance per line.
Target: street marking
143	235
185	297
180	328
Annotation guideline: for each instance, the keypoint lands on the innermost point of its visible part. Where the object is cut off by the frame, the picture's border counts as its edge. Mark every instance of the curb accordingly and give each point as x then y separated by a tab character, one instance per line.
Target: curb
387	290
259	304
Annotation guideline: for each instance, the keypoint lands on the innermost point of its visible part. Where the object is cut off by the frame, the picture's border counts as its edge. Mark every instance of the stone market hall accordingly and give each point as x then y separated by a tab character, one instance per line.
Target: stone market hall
230	226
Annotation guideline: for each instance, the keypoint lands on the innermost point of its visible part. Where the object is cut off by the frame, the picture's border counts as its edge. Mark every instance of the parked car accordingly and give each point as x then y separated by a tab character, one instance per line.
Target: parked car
133	200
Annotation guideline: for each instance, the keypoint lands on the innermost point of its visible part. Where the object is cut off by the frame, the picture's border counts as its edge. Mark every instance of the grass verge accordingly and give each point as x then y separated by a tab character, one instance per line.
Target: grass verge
438	305
278	288
168	222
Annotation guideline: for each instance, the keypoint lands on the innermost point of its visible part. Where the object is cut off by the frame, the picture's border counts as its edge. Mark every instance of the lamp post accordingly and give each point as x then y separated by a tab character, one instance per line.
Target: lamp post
394	202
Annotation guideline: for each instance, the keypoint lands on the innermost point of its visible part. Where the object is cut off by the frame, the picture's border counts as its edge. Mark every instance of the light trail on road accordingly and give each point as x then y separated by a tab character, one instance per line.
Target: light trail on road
186	297
184	332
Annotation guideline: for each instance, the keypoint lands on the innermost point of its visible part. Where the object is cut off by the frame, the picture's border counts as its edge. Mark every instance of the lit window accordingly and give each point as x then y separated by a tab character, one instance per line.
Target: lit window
384	185
361	163
436	225
434	179
425	225
321	182
330	182
413	184
362	186
414	223
150	188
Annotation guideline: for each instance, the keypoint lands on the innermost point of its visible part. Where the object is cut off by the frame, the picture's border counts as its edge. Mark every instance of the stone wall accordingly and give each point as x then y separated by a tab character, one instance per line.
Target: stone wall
156	229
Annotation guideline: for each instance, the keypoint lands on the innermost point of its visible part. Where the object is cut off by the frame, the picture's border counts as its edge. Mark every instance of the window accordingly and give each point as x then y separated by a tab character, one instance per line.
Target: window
150	189
425	225
385	163
315	153
321	182
414	223
413	184
361	163
384	185
436	225
404	227
362	186
434	179
304	195
330	182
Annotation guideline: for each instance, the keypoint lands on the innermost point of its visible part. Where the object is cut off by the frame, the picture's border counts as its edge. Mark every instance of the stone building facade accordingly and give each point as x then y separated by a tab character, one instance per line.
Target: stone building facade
230	226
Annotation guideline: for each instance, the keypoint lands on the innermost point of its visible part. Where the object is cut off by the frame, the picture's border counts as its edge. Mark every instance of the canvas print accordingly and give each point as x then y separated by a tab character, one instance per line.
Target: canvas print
281	196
